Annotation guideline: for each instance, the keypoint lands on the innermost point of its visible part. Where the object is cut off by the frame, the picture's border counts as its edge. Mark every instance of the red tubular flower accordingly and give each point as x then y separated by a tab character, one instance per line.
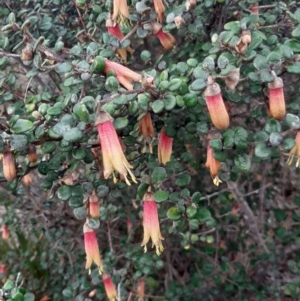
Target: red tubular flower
114	29
151	223
91	248
146	129
213	165
165	144
112	154
165	38
2	269
141	289
160	10
254	8
5	232
129	226
295	151
120	9
110	288
124	75
215	104
94	207
276	98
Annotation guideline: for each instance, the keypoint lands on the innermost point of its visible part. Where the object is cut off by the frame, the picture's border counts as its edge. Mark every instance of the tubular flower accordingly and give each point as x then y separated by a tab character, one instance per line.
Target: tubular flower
112	154
114	29
295	151
146	129
151	223
276	98
9	167
141	289
91	248
160	10
94	205
165	38
120	9
110	288
5	232
124	75
254	8
164	147
215	104
213	165
2	269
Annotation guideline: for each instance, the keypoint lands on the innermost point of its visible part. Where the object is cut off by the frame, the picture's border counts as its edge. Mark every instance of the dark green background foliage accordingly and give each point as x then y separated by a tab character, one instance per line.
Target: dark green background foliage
211	251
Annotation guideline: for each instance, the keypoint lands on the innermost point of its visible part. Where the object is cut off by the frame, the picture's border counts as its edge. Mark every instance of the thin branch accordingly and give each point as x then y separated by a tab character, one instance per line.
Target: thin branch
249	217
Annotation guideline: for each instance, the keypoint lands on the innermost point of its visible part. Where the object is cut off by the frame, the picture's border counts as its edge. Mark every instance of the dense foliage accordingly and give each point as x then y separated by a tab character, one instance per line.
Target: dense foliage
127	123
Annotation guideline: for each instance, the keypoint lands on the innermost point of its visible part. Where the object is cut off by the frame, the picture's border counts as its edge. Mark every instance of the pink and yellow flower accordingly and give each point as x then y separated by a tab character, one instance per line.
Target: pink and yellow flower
213	165
94	207
110	288
165	144
146	129
120	9
276	98
91	248
112	153
151	223
114	29
215	104
160	10
141	289
165	38
124	75
295	151
5	232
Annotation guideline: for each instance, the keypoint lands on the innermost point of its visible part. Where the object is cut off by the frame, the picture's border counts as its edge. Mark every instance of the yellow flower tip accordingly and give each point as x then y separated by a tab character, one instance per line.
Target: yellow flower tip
217	181
145	248
90	271
159	249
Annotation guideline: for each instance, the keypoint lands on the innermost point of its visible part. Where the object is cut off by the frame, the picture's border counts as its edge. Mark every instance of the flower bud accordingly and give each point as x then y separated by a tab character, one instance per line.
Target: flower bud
190	4
246	37
165	38
9	167
94	207
159	9
27	53
141	289
232	78
32	155
165	144
215	104
276	98
5	232
110	288
179	21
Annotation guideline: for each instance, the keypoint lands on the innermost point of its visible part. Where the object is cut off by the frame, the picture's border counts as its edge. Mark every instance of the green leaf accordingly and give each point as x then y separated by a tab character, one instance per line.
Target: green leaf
240	138
183	180
262	151
80	212
275	139
228	136
120	123
260	62
72	135
169	101
48	147
272	125
94	223
29	296
173	213
198	84
63	67
216	144
175	84
190	100
242	162
293	121
157	106
102	191
64	192
158	174
191	211
203	214
295	68
21	126
161	195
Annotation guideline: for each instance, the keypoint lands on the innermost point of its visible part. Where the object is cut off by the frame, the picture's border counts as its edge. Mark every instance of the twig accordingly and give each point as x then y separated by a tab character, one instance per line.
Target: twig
209	196
249	217
80	16
109	238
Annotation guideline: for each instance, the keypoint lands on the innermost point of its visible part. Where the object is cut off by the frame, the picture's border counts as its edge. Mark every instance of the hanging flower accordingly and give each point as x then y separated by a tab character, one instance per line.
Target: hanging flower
243	42
215	104
32	155
9	167
120	9
5	232
146	129
295	151
94	207
112	154
151	223
2	269
91	248
164	147
124	75
141	289
213	165
165	38
160	10
114	29
129	226
276	98
110	288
